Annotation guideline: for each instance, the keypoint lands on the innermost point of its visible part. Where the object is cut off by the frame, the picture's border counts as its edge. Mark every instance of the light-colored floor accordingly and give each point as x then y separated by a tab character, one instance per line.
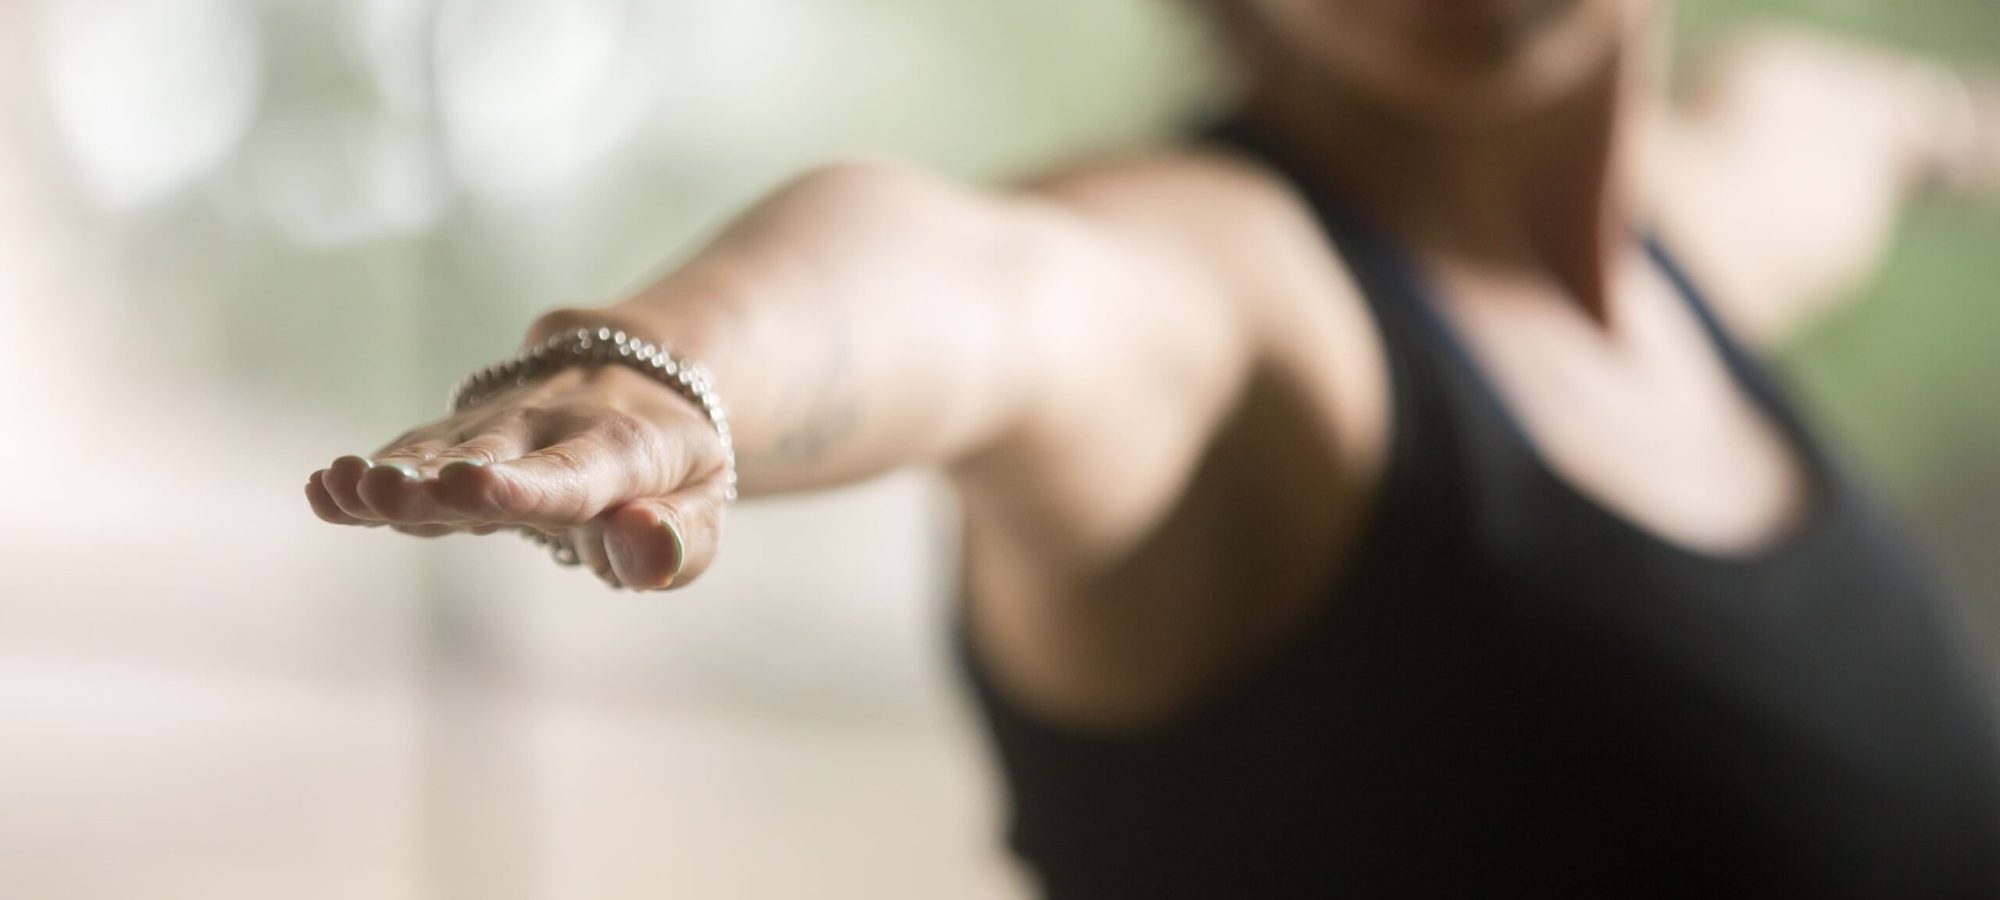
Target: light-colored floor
278	729
163	785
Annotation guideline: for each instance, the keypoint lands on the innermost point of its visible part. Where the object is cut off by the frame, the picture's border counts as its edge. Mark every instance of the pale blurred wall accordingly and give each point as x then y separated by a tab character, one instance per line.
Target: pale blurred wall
237	238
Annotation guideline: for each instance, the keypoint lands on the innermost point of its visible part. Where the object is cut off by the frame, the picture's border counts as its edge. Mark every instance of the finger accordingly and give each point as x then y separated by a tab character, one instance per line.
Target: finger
410	456
497	441
570	482
323	505
665	542
407	491
400	494
342	481
373	491
589	542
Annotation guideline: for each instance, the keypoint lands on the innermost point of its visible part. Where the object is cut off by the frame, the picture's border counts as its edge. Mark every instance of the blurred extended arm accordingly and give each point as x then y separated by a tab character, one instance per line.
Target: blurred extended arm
1786	174
870	316
863	318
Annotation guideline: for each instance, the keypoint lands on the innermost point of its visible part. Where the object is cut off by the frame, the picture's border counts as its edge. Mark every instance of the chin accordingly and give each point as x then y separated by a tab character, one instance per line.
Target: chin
1452	62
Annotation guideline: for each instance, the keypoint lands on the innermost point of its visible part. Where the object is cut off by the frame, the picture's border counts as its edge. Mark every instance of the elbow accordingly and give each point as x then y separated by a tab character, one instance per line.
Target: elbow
850	179
860	192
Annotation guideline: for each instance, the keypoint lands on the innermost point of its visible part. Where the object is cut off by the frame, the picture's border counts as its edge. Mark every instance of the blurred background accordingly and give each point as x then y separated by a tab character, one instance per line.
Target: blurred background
240	237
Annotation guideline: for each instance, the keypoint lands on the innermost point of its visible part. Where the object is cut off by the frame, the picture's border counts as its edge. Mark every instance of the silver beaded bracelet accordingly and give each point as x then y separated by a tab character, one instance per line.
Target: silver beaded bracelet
603	346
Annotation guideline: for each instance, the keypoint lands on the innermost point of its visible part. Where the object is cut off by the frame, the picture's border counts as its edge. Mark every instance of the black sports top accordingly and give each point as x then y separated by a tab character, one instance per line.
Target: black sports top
1514	692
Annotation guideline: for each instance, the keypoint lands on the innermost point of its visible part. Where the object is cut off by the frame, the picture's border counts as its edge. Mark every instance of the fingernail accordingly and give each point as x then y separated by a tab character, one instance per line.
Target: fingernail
680	550
409	473
462	464
363	461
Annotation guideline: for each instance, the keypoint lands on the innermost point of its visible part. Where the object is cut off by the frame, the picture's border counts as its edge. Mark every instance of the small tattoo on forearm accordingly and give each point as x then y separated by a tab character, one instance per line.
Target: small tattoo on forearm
828	410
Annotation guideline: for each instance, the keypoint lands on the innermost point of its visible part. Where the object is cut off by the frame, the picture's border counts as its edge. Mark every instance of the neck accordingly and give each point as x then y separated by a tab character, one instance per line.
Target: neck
1551	192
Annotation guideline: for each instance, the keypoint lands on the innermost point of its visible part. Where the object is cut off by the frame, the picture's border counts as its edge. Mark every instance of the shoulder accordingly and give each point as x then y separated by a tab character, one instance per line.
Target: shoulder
1239	209
1225	217
1254	234
1096	591
1230	297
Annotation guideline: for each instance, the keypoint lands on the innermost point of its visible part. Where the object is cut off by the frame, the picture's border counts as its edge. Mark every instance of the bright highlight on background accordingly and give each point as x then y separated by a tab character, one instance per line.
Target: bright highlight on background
148	95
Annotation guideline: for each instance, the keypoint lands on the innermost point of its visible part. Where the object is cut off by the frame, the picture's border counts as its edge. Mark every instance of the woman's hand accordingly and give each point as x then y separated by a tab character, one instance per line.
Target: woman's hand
628	470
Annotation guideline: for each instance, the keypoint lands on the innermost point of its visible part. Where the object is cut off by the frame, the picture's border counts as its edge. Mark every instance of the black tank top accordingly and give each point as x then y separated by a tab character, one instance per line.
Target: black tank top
1514	692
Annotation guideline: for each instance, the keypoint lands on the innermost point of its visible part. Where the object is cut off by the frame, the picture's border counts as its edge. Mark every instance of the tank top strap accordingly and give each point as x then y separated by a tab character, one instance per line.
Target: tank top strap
1749	372
1451	451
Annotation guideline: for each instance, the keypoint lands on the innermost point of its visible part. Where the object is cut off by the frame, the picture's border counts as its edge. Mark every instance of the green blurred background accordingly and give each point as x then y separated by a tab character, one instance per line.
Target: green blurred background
239	237
1907	377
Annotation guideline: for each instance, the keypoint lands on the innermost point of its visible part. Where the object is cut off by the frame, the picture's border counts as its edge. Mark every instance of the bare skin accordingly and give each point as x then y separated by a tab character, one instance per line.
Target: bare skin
1154	386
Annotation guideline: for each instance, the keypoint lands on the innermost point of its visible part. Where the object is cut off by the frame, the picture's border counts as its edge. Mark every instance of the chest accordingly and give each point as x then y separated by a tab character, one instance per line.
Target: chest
1640	414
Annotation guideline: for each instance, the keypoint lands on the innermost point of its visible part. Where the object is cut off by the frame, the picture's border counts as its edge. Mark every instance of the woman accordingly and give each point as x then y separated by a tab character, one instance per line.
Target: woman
1364	500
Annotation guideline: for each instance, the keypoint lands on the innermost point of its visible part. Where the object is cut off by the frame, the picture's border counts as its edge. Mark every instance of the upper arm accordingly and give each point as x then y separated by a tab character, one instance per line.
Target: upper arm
1213	407
1784	177
1145	331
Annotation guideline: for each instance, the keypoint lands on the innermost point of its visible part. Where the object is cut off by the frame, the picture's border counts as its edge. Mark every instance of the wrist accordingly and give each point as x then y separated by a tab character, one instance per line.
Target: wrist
605	355
1950	129
695	313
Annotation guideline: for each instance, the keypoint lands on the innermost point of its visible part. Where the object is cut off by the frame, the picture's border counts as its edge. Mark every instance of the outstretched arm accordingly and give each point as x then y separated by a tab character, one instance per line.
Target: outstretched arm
863	318
1785	176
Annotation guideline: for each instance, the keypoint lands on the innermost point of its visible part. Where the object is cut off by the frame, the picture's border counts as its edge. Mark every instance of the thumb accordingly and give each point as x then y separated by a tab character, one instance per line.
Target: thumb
665	542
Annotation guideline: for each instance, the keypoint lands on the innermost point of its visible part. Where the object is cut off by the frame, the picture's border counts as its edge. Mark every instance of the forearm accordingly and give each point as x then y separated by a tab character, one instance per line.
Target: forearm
1064	351
860	319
